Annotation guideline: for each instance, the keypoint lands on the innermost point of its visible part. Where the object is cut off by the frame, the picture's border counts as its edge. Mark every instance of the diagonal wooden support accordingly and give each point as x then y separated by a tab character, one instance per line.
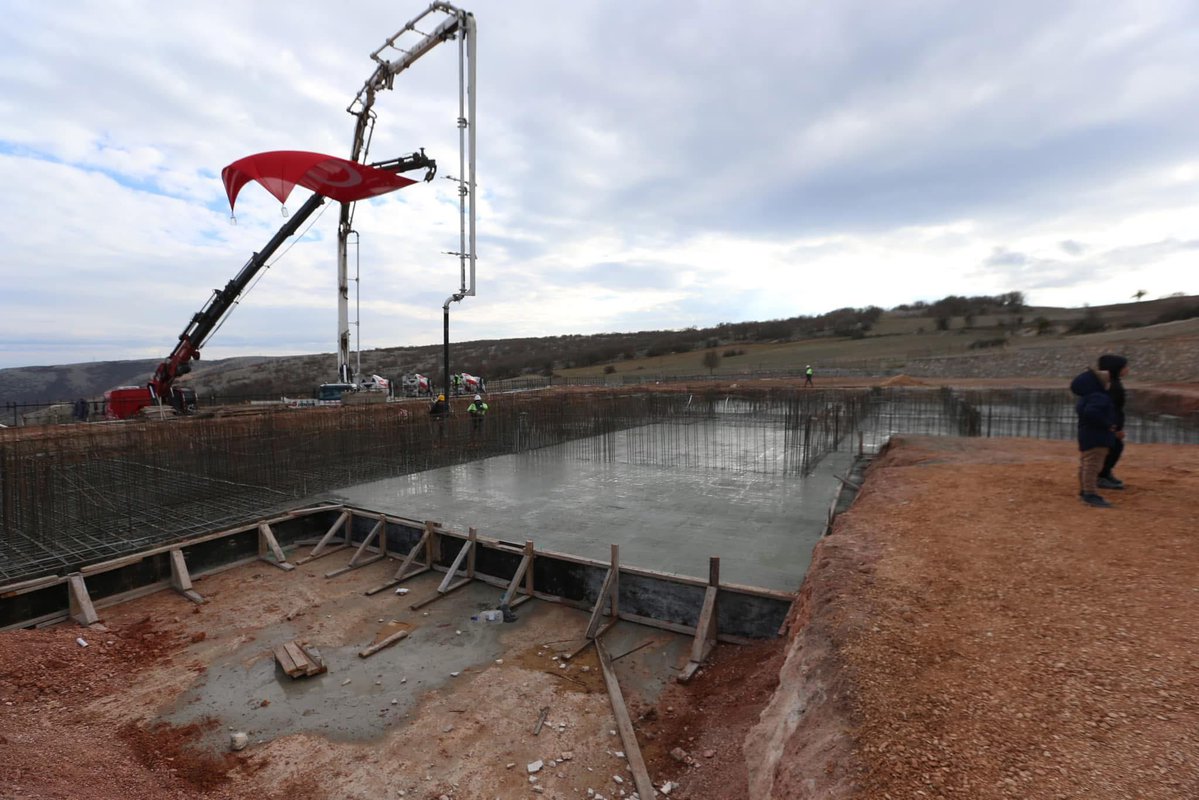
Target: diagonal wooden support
267	543
402	574
473	535
448	584
358	561
609	594
523	572
705	629
586	643
81	608
468	548
645	787
181	580
343	523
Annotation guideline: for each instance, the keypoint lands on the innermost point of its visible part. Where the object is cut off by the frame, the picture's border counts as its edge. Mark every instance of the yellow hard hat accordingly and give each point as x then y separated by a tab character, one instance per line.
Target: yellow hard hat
441	397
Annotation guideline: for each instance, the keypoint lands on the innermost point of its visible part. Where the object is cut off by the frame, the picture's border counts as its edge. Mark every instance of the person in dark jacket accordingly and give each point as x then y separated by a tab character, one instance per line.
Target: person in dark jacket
1117	368
1096	431
438	410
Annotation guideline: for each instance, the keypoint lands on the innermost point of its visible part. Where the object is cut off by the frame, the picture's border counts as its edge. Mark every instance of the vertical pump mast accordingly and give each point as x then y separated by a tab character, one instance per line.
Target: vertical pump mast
451	22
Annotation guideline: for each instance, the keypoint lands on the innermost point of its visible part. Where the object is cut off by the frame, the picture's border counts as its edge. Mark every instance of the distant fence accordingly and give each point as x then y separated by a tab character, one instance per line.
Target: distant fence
70	495
856	370
21	414
74	494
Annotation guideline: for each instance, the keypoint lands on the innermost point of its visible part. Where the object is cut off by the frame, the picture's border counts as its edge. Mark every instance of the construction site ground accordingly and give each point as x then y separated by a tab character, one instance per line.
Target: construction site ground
147	708
969	629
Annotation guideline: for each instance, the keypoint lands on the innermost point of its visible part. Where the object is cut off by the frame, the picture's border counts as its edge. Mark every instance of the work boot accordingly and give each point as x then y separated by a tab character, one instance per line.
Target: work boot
1111	483
1096	501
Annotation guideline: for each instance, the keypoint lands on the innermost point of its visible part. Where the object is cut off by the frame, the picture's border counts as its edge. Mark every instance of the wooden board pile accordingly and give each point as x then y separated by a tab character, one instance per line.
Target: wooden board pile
299	661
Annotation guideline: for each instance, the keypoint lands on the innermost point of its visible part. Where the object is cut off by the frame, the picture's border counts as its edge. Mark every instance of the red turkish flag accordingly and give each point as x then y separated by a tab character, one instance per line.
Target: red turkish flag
279	171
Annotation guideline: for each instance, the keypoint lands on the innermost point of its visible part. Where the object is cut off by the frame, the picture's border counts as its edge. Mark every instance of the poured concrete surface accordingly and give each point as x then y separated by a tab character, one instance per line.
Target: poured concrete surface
762	525
357	698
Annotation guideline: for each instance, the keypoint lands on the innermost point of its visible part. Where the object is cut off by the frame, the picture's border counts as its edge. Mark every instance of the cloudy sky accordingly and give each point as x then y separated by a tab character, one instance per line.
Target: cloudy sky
650	164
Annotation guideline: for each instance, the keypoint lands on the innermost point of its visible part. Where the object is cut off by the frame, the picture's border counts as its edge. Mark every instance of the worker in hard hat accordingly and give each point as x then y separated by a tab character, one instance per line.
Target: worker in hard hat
477	410
807	375
438	410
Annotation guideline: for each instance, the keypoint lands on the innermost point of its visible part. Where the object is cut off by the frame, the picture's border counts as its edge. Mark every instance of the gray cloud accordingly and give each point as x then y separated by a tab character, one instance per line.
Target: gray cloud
640	165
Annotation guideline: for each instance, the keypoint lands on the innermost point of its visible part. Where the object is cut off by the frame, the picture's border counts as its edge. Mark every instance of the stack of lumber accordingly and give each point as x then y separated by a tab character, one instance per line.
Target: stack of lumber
299	661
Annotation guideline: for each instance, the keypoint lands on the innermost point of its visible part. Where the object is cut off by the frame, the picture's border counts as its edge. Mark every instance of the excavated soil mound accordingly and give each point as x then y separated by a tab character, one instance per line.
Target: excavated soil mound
971	630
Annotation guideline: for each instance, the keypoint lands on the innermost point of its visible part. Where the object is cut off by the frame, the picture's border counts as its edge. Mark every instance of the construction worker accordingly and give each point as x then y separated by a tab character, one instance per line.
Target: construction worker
807	381
457	381
438	410
477	410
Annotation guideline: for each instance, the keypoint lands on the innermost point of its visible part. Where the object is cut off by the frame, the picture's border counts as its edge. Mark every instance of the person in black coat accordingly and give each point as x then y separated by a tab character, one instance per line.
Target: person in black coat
1117	368
438	410
1096	431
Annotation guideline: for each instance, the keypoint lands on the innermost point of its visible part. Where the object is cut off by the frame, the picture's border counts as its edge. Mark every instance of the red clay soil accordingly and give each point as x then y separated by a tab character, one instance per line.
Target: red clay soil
47	743
970	629
707	720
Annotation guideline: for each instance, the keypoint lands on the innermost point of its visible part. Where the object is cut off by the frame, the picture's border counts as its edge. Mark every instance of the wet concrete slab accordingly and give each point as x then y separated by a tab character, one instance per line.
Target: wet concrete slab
669	516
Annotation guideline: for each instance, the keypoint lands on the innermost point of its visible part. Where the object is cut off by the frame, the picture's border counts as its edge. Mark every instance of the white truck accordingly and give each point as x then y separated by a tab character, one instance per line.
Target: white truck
416	385
375	383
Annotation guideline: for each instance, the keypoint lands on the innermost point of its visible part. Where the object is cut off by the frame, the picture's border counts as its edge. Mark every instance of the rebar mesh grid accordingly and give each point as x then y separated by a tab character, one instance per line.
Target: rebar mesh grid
72	495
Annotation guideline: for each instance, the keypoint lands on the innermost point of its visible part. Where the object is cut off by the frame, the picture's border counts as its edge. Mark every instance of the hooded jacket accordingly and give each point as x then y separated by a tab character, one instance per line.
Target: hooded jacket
1096	411
1114	365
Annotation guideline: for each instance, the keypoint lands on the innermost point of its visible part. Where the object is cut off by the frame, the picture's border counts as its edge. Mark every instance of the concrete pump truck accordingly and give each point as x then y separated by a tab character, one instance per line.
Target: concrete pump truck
451	23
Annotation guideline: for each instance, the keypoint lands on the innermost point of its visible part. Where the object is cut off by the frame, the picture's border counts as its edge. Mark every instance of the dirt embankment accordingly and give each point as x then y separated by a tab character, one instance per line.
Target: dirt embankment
972	630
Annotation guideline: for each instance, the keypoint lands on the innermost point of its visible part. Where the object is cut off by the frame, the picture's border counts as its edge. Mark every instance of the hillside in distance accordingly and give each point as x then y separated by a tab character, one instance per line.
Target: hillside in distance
950	326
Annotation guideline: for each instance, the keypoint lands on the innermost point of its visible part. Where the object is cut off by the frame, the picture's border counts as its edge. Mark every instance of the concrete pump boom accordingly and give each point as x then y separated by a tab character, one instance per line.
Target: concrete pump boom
451	23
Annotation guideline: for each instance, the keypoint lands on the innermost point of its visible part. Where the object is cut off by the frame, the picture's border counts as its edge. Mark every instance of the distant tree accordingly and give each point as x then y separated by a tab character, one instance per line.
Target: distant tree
1042	325
1012	301
608	370
1138	294
942	323
711	360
